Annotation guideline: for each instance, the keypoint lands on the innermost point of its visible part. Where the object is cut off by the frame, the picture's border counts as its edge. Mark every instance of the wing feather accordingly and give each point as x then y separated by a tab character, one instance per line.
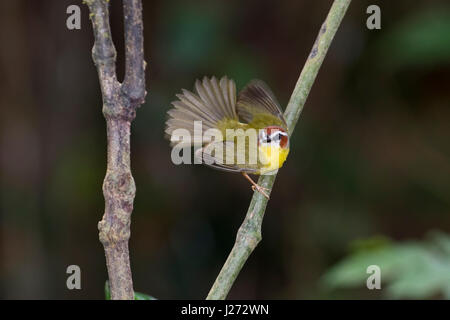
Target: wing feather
213	102
215	155
257	100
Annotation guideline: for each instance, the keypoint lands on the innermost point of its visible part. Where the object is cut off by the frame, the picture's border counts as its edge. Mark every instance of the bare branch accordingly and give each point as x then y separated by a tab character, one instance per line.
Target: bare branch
134	84
249	233
103	51
119	106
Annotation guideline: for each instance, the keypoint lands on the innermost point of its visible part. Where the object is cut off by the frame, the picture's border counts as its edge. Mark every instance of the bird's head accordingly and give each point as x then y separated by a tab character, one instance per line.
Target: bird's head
273	136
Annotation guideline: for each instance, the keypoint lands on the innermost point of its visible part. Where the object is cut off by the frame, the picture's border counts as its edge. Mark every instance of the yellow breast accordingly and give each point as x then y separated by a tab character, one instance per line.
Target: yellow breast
272	158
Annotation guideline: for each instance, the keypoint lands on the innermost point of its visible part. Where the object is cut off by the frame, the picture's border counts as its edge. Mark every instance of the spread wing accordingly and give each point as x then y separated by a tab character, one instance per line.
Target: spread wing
230	156
213	102
257	105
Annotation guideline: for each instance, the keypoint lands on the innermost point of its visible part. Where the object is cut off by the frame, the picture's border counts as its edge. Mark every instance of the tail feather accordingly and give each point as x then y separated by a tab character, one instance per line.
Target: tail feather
213	101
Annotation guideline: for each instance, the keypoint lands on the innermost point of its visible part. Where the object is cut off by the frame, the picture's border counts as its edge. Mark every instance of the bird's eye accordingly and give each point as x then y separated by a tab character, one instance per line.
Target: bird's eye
277	137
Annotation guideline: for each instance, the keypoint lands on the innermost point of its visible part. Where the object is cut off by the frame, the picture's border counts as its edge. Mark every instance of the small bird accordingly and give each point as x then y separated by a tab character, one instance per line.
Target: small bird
215	104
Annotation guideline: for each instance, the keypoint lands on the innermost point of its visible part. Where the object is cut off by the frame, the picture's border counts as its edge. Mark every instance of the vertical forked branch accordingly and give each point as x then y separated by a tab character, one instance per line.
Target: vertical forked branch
249	234
120	101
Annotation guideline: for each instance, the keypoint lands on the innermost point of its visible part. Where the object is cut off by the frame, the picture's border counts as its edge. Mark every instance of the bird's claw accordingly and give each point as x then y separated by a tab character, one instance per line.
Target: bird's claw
261	190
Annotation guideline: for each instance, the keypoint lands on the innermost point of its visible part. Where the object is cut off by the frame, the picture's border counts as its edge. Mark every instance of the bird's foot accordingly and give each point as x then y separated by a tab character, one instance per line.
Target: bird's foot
261	190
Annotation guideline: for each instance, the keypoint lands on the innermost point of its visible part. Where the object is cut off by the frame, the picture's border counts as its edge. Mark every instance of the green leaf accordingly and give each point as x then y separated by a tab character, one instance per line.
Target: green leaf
107	292
410	269
143	296
137	295
441	239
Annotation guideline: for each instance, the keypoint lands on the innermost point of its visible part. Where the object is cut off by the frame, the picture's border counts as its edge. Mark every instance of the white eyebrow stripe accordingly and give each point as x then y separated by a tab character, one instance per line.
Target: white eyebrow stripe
277	133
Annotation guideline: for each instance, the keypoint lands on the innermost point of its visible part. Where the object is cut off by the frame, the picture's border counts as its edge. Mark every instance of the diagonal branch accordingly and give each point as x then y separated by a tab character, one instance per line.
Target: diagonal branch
119	108
249	233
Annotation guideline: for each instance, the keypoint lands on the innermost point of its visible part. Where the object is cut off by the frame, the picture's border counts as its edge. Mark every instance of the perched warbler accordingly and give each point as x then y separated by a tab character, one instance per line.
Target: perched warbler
234	119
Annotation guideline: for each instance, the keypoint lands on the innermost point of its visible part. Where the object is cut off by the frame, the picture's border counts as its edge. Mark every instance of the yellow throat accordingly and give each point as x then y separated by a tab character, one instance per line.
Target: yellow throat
272	158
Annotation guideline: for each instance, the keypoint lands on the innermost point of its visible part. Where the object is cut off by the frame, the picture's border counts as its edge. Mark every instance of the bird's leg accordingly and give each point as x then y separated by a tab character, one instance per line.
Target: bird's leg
255	186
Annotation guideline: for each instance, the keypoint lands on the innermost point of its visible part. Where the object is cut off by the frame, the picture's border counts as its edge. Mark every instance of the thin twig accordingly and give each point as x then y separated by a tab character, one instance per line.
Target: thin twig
249	234
119	108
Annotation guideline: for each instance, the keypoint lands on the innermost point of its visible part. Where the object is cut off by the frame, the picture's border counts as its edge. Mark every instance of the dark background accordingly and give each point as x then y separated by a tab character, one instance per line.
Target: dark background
369	157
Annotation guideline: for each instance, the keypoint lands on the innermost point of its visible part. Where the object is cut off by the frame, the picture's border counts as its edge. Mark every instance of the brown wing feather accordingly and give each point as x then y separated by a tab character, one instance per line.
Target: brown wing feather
257	98
218	161
213	101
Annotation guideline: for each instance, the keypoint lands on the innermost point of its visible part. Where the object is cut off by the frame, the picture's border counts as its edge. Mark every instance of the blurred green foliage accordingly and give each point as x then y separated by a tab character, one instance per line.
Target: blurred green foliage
409	269
420	40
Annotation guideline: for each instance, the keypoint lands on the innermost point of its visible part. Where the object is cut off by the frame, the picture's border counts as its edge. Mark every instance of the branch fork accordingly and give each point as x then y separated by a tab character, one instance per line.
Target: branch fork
120	101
